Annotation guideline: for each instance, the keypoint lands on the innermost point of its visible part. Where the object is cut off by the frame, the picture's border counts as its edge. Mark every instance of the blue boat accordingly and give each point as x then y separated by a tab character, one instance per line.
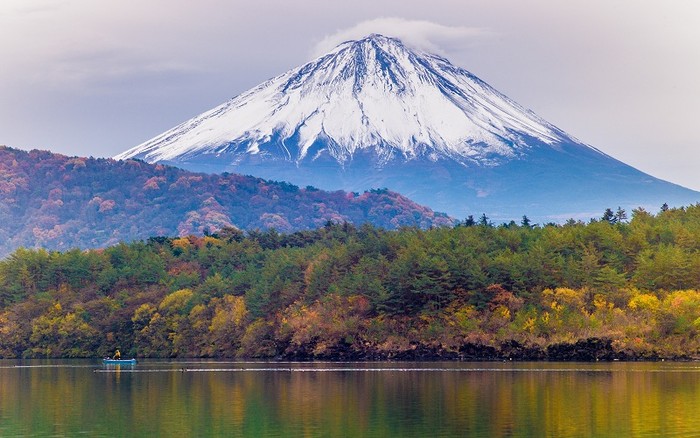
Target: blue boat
108	361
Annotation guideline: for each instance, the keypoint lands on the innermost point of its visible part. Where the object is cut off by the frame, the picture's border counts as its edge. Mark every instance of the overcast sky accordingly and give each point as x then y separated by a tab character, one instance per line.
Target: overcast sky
94	78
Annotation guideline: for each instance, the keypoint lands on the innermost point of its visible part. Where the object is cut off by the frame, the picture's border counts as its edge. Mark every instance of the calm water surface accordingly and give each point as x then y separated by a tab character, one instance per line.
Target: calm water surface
200	398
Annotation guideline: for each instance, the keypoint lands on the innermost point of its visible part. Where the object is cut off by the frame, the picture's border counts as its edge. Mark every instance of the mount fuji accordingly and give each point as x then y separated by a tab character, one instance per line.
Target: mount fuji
375	113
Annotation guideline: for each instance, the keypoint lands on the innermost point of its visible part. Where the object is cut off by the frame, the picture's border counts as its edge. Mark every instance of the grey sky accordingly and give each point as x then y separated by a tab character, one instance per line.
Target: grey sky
91	77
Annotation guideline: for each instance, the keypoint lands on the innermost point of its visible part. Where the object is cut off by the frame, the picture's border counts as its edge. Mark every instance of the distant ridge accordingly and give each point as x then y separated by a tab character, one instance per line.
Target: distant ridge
376	113
58	203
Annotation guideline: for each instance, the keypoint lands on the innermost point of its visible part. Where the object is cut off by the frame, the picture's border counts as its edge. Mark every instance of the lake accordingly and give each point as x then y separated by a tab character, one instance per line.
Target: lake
71	398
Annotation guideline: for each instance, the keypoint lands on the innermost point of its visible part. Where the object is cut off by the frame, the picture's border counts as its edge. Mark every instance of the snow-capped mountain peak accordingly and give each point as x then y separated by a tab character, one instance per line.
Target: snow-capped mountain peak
373	95
374	113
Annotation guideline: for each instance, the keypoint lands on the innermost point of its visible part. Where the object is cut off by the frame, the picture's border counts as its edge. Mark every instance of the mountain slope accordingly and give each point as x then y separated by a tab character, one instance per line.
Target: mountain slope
375	113
373	94
57	202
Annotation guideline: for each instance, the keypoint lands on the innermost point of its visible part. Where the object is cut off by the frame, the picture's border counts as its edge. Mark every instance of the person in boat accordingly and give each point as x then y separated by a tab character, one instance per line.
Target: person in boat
117	355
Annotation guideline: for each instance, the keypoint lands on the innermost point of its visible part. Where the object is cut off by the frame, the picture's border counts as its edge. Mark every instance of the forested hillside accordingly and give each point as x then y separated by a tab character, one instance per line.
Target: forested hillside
611	288
57	202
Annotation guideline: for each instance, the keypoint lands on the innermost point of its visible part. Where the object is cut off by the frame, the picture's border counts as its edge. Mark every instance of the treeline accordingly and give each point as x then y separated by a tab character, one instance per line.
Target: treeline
610	288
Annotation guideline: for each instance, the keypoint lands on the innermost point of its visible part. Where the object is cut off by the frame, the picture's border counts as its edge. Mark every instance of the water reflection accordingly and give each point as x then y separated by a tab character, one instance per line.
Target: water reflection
67	398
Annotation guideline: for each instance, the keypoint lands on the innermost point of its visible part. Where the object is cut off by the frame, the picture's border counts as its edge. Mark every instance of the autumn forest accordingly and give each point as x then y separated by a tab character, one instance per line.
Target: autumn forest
612	288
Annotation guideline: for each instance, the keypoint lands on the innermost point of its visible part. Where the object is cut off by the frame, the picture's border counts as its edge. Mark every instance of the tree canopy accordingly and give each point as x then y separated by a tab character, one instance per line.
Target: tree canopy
346	291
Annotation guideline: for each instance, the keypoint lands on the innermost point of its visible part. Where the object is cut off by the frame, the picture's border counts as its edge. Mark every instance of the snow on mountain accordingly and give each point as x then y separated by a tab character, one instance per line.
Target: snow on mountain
374	93
375	113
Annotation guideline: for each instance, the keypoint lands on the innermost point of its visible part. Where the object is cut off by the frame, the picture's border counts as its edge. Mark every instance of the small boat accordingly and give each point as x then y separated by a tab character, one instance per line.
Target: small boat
108	361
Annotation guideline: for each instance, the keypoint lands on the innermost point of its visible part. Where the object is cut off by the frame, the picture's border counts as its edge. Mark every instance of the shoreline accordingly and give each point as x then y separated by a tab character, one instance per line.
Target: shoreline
585	350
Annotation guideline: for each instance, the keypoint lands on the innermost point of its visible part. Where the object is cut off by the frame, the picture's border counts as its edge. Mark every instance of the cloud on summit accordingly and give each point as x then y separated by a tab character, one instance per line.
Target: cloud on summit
421	34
